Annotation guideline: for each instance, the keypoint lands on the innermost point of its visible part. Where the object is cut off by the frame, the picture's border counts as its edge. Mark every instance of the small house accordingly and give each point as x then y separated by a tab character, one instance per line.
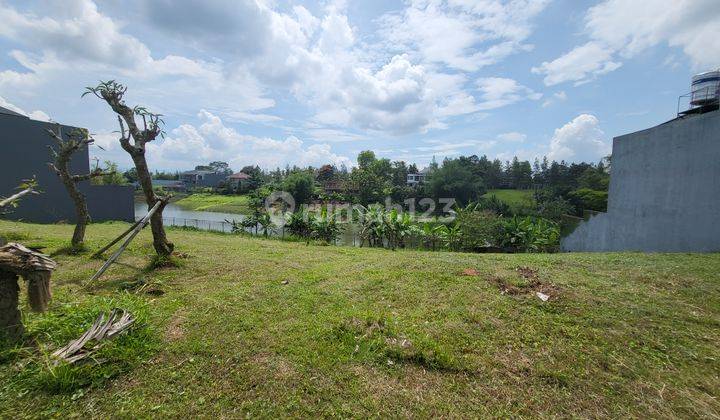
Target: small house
199	178
417	178
238	181
169	185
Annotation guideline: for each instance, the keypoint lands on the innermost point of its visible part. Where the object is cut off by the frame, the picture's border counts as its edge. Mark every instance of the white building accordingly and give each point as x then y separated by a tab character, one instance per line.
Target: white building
418	178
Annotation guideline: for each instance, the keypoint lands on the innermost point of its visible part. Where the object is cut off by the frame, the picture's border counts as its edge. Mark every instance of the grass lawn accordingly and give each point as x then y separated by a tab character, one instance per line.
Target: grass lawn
513	198
215	202
253	327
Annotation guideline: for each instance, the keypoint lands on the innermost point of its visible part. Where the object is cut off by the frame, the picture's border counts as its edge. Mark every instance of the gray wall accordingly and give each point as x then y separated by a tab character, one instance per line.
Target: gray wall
25	154
664	191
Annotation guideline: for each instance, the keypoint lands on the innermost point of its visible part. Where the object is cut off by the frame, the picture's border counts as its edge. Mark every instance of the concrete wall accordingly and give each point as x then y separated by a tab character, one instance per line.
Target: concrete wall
24	153
664	191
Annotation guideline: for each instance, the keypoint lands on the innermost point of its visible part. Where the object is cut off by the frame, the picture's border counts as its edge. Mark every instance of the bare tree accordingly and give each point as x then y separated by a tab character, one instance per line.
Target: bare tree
74	141
133	140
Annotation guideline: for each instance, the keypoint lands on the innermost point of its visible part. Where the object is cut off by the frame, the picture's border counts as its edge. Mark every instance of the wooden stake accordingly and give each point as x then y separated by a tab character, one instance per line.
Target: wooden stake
143	222
116	240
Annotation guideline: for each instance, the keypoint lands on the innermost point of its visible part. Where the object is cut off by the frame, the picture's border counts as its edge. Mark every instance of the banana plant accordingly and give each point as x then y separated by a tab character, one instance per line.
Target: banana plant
264	220
431	233
325	226
398	226
372	225
451	237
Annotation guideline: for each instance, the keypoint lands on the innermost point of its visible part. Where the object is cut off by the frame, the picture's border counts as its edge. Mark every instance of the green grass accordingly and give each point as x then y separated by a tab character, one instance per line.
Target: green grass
266	328
215	202
513	198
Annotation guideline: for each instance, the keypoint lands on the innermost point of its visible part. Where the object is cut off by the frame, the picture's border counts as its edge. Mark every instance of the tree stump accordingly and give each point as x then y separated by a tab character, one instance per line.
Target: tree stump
11	326
36	268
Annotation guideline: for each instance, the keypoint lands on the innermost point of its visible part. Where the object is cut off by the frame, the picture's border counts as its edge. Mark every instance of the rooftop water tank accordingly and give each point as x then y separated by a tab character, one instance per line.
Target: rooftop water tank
705	88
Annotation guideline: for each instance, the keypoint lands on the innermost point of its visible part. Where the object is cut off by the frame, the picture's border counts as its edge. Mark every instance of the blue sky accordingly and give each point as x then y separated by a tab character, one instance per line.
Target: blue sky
307	83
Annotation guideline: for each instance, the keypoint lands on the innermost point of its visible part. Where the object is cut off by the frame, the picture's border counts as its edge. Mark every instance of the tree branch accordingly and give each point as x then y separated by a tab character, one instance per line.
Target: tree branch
17	196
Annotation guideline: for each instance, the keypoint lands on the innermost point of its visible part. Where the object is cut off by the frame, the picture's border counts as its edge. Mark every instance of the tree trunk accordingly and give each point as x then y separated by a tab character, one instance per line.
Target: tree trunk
162	246
10	321
82	214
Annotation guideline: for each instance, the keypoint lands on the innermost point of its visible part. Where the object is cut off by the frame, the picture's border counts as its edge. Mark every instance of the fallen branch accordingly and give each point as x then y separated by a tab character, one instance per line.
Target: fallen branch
136	230
118	321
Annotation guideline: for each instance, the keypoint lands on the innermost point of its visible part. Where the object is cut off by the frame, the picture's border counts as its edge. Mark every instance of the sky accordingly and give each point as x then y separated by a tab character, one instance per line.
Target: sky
278	83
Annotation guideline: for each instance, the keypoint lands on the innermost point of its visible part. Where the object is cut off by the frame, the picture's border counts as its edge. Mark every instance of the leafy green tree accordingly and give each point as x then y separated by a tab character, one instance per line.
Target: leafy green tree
587	199
594	178
220	167
369	186
325	173
110	175
454	180
365	159
131	175
300	185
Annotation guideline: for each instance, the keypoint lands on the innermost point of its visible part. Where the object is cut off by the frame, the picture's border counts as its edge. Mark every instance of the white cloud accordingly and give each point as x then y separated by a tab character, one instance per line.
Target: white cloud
74	45
464	35
512	136
580	140
213	140
87	35
579	65
625	28
498	92
556	97
332	136
35	115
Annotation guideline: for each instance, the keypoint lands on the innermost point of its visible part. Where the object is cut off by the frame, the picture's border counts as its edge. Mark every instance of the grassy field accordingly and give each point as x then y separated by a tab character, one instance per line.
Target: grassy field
215	202
265	328
514	198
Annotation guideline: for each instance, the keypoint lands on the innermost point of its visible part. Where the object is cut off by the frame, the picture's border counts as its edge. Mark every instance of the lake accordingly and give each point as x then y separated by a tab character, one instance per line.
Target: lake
174	215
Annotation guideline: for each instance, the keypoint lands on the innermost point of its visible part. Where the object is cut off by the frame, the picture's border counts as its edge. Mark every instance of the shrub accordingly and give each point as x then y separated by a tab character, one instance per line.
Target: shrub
495	205
587	199
529	234
398	226
555	208
299	223
301	186
325	227
479	229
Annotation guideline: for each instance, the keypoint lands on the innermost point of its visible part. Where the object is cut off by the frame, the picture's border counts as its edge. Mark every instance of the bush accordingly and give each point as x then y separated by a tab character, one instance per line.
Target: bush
299	223
555	208
325	227
479	229
587	199
530	234
495	205
300	185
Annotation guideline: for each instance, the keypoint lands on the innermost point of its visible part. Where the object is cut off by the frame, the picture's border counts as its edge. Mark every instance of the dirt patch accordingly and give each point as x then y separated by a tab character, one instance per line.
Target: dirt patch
470	272
528	273
174	329
530	284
